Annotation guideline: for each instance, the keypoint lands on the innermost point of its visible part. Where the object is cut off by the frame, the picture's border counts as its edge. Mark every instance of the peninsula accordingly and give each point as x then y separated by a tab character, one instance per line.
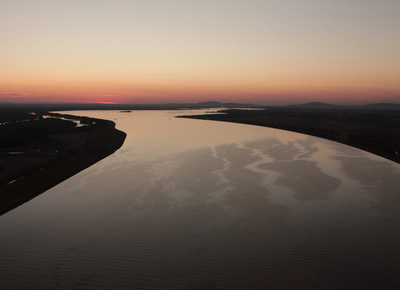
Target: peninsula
38	150
374	128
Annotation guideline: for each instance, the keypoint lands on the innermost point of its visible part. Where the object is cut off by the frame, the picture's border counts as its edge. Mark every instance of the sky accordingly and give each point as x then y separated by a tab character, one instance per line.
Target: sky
158	51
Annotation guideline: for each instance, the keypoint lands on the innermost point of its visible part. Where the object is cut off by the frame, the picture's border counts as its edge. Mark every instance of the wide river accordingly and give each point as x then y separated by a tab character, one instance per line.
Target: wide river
197	204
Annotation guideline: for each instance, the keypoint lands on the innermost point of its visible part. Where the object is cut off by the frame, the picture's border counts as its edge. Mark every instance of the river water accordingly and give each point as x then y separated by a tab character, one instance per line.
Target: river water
197	204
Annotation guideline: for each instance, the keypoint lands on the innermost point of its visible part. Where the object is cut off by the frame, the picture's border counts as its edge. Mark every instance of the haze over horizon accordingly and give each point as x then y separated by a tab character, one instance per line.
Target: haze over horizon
262	52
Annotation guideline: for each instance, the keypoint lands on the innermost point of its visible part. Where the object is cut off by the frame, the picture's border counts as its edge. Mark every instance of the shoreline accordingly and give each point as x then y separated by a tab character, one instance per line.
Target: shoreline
98	143
374	131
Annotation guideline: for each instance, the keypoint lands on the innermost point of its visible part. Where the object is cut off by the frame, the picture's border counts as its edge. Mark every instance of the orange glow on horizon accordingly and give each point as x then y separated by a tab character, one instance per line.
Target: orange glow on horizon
258	86
266	52
110	103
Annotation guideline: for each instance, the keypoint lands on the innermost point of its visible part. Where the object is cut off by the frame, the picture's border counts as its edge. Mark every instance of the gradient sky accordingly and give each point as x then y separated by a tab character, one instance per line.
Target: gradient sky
261	51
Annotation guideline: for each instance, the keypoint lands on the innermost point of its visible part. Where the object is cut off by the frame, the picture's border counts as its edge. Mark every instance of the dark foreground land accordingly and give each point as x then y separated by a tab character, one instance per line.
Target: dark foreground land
374	128
38	151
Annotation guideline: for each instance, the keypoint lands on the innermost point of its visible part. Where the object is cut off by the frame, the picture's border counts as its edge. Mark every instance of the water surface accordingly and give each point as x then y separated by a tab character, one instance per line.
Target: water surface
201	204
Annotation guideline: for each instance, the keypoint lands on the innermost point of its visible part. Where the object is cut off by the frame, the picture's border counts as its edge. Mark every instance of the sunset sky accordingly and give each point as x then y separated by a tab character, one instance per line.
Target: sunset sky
159	51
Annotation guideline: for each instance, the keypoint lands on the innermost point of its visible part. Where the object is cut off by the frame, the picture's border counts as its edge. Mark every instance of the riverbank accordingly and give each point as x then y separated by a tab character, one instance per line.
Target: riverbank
37	154
373	130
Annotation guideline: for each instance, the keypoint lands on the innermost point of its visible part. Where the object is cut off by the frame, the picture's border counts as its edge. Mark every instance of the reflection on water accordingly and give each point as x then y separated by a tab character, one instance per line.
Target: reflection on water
198	204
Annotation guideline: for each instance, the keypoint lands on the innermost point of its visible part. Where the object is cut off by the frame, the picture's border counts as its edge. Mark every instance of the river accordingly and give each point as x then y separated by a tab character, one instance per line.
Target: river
197	204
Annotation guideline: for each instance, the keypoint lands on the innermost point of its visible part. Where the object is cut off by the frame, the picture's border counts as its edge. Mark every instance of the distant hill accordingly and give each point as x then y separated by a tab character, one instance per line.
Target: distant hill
99	106
381	106
320	105
211	104
180	106
316	105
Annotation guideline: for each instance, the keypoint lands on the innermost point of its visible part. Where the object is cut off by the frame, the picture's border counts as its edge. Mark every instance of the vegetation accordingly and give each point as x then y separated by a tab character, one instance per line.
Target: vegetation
372	128
38	150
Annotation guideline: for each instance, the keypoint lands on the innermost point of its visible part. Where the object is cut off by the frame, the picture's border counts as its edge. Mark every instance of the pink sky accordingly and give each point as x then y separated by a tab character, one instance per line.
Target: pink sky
265	52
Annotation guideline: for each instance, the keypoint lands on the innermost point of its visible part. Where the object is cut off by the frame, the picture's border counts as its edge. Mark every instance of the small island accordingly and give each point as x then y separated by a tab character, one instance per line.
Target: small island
38	150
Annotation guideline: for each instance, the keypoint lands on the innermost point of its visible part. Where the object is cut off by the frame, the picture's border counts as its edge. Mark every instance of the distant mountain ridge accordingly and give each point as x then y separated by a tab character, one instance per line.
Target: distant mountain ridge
382	106
214	104
320	105
99	106
316	105
200	105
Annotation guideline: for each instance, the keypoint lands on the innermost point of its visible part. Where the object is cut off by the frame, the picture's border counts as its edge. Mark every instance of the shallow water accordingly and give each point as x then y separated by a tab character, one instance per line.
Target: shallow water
200	204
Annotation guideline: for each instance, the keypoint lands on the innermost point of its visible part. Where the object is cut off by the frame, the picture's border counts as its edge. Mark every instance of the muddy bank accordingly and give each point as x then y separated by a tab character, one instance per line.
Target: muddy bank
39	153
372	130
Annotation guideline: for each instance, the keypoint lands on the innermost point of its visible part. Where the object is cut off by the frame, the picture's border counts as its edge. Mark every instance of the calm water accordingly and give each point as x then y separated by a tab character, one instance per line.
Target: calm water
199	204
